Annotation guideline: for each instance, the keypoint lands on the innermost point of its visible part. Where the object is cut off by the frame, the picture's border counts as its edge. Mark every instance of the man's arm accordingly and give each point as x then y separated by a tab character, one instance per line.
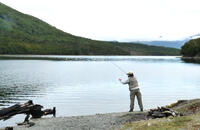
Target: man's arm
124	82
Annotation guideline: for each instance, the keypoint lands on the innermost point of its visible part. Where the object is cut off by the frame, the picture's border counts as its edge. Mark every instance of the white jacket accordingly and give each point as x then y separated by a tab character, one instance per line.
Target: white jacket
132	82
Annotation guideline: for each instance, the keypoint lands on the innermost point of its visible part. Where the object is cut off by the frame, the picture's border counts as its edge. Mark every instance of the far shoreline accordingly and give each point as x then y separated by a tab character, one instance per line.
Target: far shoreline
76	57
191	59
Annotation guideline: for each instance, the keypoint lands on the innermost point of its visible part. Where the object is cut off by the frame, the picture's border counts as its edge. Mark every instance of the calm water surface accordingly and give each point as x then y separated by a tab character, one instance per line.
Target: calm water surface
84	85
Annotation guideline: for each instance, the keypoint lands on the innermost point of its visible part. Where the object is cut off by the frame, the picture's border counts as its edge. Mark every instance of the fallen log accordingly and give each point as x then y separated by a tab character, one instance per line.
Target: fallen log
9	128
27	108
161	112
6	113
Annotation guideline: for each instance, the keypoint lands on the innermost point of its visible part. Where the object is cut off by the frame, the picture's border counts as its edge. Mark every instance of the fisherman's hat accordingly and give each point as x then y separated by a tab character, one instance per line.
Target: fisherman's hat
129	73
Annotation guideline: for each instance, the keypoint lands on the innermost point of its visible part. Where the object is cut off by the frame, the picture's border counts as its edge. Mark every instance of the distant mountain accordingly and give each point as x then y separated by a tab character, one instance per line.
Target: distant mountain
25	34
194	36
174	44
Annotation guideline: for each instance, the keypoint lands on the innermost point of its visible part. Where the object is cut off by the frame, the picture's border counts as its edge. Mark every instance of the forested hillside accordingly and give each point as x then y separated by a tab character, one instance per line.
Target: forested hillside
25	34
191	48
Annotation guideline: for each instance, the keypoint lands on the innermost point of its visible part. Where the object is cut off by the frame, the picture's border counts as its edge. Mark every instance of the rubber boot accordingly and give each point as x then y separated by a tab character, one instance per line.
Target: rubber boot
131	110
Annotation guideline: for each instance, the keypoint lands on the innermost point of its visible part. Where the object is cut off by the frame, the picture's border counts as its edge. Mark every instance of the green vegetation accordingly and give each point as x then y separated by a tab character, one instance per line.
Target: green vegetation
191	51
141	49
25	34
191	48
186	107
191	108
16	57
177	123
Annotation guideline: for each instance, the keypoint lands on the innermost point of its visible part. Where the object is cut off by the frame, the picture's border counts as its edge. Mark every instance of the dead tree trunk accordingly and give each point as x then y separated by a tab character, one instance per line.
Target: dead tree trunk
161	112
27	108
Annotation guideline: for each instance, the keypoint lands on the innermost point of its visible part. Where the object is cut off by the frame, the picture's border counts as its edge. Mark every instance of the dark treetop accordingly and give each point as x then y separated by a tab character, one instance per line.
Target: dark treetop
191	48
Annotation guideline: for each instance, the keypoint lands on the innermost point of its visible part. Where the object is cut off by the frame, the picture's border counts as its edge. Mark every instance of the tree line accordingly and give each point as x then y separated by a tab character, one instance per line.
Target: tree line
191	48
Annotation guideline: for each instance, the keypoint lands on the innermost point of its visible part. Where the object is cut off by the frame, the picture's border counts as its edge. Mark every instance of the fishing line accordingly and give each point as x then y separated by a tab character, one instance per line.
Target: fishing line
118	67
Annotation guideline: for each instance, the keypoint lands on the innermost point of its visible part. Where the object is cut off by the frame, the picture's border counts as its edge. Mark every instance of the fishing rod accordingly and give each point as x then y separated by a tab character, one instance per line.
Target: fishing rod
118	67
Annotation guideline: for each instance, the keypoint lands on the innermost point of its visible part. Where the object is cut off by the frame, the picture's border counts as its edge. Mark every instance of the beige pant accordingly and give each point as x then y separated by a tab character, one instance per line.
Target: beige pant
134	93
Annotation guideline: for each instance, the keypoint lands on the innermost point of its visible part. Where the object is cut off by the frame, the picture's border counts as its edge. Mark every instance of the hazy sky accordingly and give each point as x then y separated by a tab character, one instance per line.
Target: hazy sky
121	20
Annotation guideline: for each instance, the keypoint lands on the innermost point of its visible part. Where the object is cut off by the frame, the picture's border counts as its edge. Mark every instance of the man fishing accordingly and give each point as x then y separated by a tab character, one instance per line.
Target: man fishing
134	91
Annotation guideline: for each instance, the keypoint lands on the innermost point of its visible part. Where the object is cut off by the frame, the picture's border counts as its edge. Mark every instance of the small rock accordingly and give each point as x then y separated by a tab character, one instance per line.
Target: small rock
169	120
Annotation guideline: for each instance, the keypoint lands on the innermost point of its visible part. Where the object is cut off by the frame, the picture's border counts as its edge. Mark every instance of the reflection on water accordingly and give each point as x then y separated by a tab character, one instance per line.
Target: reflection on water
13	94
92	58
82	85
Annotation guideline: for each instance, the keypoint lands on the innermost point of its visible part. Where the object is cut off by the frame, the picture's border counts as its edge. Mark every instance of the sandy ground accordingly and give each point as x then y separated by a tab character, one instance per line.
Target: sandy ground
110	121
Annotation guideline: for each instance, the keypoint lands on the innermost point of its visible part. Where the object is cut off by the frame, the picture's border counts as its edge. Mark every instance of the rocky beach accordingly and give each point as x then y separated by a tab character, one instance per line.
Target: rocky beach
122	120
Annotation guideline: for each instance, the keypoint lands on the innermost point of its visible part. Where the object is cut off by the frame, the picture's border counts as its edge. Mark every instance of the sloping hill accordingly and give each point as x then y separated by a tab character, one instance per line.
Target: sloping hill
25	34
191	48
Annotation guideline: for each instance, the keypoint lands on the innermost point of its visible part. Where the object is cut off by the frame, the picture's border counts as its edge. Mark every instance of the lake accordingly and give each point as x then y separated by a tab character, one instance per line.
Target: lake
84	85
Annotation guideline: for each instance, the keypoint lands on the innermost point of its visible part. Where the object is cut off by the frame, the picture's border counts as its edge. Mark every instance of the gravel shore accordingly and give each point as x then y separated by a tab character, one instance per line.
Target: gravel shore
92	122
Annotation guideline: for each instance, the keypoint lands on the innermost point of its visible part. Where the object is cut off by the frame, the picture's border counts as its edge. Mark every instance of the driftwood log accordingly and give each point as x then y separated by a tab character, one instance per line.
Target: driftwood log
27	108
161	112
